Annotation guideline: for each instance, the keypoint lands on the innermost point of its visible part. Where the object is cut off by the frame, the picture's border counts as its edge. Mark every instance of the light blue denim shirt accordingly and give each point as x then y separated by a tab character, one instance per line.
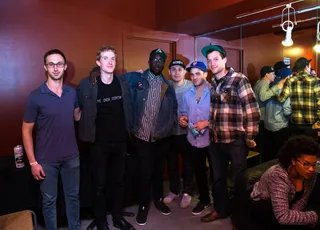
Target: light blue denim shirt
277	115
196	111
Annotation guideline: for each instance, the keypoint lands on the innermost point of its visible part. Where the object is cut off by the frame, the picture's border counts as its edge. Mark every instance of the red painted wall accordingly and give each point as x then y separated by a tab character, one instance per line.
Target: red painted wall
29	28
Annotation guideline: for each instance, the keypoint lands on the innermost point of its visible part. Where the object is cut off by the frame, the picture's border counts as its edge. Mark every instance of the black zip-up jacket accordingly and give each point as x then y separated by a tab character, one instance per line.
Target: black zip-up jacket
87	97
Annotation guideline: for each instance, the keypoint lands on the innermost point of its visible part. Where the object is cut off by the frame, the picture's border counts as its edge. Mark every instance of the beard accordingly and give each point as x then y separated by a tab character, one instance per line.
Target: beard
200	83
219	70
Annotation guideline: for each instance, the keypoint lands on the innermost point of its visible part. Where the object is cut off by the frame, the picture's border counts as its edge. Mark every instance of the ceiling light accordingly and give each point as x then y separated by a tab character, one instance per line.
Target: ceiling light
288	40
317	46
288	25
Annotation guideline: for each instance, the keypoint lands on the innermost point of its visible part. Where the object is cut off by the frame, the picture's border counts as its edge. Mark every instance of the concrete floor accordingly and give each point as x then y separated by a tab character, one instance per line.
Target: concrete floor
179	219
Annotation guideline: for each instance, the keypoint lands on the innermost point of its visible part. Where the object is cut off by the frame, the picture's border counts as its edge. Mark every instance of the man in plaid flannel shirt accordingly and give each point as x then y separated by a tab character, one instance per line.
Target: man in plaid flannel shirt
304	92
234	123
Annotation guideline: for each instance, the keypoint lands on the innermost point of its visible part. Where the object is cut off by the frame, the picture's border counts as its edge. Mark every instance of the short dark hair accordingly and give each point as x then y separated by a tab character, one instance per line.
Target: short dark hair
103	49
54	51
295	147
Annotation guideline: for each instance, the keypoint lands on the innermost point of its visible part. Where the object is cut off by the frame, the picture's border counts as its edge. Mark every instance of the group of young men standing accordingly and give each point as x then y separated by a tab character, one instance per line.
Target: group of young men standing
161	118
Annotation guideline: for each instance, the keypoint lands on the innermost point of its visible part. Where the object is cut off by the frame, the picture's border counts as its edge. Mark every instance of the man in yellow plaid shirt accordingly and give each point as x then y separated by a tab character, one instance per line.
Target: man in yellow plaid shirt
304	92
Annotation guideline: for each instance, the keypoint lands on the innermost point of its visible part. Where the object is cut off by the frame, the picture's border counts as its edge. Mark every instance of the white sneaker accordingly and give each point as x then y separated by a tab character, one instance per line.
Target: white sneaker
186	201
169	198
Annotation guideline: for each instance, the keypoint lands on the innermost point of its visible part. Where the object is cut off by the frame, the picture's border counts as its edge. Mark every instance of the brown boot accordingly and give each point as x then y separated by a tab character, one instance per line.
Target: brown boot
212	216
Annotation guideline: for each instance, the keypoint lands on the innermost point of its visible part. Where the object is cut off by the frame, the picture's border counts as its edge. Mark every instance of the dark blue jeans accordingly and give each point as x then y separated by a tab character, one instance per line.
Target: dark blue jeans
220	155
70	176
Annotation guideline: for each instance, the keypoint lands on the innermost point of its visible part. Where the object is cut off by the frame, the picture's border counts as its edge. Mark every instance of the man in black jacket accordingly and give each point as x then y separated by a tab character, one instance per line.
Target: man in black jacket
105	122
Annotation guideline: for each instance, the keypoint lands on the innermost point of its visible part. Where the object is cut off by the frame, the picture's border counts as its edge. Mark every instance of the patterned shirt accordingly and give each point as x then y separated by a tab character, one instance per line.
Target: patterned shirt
276	185
151	108
304	92
234	110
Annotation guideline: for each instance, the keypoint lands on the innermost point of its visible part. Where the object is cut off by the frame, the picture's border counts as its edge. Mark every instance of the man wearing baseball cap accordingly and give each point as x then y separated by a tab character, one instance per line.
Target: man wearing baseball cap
234	123
304	92
276	121
263	93
279	66
194	113
179	143
154	105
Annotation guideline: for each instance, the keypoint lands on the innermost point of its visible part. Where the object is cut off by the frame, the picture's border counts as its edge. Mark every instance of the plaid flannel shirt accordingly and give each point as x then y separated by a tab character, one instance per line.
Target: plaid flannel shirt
234	110
304	92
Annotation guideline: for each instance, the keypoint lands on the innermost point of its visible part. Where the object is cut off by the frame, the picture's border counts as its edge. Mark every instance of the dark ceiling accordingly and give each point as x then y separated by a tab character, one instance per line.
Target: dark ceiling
222	23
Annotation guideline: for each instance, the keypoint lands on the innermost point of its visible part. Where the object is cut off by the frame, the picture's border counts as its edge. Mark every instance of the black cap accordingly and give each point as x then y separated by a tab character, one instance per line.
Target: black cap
280	65
158	52
266	69
177	62
301	63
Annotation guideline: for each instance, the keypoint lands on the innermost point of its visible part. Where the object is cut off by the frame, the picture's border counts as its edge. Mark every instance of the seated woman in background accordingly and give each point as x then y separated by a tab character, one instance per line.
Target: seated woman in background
279	198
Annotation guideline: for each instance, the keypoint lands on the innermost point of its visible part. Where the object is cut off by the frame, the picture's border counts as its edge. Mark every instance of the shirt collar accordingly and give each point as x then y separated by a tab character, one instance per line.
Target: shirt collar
193	88
44	88
151	76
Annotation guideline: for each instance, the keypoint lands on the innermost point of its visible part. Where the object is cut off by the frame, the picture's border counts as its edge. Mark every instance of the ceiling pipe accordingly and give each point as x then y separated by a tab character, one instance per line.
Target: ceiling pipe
267	9
297	22
257	21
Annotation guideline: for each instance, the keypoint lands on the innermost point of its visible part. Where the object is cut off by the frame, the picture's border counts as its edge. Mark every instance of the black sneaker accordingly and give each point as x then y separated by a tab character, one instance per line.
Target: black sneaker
142	215
162	207
200	207
102	225
122	224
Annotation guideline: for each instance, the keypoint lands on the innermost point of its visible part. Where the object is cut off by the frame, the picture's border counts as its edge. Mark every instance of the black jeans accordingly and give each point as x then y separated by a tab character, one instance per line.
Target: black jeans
260	140
262	213
296	129
199	156
151	162
180	145
108	167
220	155
273	143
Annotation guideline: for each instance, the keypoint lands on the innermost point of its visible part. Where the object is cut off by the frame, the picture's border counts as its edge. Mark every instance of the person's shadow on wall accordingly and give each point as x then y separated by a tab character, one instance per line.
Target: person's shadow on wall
251	70
69	75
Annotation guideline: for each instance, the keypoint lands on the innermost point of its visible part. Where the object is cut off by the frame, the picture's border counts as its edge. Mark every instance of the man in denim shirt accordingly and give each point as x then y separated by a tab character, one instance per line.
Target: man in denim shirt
194	113
154	106
276	124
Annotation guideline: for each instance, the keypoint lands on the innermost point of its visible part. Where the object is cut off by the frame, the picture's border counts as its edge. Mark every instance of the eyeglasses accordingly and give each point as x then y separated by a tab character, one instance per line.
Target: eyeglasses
157	60
307	165
51	64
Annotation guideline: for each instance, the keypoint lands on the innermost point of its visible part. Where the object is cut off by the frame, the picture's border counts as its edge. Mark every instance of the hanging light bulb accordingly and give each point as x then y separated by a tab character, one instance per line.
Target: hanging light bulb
317	46
288	25
288	40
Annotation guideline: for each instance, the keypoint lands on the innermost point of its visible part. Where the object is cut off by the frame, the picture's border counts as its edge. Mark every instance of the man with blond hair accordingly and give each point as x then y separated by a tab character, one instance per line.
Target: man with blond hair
105	122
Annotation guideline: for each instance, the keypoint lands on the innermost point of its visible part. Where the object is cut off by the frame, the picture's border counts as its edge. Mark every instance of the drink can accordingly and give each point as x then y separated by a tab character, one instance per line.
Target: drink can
18	156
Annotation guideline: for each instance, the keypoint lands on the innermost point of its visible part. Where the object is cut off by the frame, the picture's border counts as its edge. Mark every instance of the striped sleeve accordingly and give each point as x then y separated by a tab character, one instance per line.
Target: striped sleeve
279	190
250	108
